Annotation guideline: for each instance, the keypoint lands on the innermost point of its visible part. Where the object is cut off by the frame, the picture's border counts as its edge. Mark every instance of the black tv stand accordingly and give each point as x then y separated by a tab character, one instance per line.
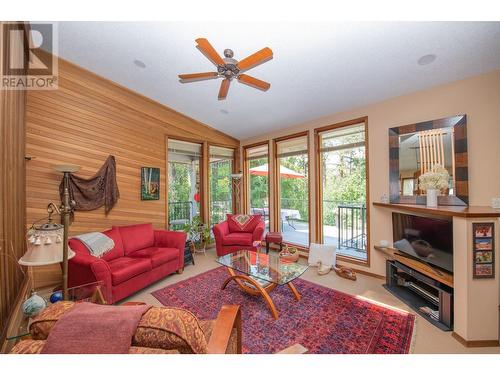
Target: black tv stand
428	297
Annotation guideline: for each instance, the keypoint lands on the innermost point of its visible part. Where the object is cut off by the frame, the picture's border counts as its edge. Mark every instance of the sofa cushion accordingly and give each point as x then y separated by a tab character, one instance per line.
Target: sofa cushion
117	251
137	237
241	239
242	223
124	268
157	255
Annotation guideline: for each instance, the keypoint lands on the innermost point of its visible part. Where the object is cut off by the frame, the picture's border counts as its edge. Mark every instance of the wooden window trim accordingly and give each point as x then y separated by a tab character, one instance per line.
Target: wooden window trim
276	191
234	170
202	180
319	187
246	179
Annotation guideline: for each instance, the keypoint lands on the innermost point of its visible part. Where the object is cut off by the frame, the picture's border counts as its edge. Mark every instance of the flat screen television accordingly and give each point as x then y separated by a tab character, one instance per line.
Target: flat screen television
427	239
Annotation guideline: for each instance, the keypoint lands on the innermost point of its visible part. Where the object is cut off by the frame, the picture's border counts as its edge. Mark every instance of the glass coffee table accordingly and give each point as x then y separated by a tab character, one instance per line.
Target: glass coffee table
258	274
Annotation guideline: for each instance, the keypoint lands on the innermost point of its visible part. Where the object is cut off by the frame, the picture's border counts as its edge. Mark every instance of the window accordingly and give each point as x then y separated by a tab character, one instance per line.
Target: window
342	171
183	182
221	191
293	189
257	171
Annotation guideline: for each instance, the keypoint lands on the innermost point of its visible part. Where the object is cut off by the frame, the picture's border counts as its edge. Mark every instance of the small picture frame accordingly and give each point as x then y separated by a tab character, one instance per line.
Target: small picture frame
483	250
150	183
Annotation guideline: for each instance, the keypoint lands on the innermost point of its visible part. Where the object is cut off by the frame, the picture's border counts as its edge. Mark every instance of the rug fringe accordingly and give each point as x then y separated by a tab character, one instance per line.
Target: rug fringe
413	336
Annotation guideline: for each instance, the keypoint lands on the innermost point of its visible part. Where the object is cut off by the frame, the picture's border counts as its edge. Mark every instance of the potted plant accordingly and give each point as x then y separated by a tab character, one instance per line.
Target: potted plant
198	233
432	182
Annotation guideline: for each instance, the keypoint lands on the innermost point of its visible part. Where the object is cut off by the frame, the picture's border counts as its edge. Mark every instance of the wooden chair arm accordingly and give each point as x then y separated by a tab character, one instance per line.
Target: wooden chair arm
294	349
229	317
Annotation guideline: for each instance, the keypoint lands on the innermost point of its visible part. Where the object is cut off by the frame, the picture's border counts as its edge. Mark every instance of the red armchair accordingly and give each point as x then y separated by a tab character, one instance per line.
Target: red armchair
238	232
141	256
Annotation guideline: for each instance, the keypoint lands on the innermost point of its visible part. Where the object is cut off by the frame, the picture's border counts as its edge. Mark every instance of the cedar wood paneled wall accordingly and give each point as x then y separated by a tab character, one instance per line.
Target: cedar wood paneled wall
12	193
84	121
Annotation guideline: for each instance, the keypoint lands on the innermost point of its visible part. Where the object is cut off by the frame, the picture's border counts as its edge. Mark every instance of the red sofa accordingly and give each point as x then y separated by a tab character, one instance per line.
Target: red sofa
231	235
141	256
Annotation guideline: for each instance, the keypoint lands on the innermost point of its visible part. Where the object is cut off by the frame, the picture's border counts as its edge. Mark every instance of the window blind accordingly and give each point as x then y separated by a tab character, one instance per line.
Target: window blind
292	147
217	152
257	152
343	138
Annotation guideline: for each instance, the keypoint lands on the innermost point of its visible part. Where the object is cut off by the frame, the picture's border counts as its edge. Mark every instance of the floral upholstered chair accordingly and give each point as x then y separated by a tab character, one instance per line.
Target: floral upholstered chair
161	330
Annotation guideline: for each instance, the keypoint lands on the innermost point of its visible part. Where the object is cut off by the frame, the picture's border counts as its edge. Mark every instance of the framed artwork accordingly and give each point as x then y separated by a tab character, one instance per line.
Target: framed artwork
483	250
150	183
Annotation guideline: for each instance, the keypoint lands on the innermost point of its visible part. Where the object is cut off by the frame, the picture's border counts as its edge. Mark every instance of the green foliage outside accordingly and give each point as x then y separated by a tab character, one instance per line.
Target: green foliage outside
220	190
344	174
178	182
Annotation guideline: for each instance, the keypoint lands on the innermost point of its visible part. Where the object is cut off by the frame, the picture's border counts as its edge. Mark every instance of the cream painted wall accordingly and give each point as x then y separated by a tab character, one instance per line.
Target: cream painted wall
478	97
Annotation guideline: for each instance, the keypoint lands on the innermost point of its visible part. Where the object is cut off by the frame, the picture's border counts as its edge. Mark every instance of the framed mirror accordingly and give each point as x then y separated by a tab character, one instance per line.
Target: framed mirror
418	148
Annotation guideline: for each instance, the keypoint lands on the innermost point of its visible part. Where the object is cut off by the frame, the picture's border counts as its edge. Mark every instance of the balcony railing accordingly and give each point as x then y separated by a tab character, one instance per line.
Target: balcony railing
179	214
351	219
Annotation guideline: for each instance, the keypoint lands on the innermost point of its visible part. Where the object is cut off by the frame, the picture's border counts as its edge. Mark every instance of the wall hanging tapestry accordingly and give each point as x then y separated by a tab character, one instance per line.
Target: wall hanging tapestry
97	191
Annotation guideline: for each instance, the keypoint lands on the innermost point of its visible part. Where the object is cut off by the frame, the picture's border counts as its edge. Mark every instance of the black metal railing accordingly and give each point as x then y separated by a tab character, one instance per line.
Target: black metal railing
179	213
351	225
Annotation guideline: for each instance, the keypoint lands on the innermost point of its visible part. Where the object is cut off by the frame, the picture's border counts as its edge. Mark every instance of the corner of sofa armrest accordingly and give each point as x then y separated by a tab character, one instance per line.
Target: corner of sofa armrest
163	237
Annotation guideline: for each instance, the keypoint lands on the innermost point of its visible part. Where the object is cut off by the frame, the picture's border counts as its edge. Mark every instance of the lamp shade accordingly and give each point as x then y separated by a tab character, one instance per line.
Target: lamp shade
45	246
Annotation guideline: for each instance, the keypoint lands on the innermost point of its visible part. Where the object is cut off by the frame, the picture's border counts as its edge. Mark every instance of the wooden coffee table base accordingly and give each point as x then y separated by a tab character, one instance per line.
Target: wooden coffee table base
250	286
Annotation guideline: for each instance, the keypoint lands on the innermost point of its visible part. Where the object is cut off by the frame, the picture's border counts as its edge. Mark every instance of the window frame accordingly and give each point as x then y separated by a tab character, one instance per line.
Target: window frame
206	154
167	171
319	187
276	216
246	179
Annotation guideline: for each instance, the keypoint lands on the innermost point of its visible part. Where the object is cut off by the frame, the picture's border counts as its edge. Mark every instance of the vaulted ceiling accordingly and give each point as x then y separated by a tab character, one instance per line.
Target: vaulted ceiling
317	69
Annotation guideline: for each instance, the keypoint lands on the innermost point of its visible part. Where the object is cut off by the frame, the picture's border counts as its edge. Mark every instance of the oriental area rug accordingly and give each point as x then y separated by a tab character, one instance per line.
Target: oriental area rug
323	321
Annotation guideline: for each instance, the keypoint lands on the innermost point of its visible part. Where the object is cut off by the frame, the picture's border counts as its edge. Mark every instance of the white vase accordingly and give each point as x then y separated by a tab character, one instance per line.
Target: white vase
432	197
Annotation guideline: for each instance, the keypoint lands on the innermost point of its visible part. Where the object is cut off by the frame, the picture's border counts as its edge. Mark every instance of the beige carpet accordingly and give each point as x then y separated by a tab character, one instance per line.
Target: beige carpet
429	339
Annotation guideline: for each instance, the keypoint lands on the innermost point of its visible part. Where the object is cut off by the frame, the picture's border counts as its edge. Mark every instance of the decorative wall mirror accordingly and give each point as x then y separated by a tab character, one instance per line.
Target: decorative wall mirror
416	148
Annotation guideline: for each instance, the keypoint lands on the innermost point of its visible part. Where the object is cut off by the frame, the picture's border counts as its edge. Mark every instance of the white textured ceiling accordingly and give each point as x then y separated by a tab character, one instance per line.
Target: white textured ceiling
318	68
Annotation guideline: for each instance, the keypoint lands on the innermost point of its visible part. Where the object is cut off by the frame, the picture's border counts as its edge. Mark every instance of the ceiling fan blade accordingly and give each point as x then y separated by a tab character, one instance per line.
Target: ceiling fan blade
206	48
185	78
259	57
224	88
254	82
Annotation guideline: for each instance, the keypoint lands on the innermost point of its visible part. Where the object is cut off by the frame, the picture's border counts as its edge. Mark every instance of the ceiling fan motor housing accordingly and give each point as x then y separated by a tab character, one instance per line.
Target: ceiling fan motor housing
229	69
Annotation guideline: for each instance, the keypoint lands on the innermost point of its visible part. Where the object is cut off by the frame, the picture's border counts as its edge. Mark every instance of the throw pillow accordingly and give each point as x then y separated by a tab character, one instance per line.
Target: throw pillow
242	222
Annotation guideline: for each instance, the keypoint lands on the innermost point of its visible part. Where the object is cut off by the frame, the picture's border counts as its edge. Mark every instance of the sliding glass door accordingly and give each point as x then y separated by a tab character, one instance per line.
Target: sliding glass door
342	174
293	189
221	189
183	182
257	172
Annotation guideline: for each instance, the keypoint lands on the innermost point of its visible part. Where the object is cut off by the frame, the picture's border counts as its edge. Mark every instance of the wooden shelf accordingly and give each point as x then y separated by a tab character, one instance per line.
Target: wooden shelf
441	276
468	212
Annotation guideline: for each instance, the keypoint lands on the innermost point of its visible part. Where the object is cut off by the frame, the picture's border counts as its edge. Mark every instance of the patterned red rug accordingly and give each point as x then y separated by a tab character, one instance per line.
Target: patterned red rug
324	320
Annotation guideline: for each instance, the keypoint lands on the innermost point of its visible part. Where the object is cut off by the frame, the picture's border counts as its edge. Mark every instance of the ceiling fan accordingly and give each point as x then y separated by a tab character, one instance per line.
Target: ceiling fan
229	68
